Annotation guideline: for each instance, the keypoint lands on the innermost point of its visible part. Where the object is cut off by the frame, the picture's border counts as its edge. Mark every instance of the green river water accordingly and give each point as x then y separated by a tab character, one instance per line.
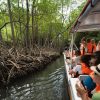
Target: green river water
49	84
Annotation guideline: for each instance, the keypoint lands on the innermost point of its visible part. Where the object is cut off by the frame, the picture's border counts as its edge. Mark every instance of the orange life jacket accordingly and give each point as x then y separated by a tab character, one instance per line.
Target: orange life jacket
89	47
98	88
85	69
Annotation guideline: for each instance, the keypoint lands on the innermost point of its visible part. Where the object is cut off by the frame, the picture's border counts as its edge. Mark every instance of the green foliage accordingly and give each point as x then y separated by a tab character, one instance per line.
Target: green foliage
48	22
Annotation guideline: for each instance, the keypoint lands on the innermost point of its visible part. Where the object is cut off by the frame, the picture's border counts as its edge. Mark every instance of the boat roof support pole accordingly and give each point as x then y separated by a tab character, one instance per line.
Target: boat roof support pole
71	46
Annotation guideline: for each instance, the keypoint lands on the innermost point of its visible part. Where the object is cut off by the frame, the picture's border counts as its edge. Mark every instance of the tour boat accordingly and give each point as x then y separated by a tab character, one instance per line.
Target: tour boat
88	20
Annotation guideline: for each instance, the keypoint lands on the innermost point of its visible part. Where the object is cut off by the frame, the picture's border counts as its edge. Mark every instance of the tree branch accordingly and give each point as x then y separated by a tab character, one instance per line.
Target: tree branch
8	23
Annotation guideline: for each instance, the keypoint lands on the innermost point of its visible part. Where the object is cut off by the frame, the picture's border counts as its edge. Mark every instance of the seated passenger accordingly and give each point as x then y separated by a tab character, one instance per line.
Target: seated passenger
76	59
97	85
82	92
76	71
76	64
96	76
95	60
85	59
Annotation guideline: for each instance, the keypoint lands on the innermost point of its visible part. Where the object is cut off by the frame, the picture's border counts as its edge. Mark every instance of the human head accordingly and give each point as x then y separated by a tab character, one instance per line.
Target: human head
77	53
86	59
95	58
83	40
88	40
93	41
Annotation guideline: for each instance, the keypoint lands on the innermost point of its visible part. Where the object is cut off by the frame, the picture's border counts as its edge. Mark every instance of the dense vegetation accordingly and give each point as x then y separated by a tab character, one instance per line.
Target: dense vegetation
30	32
33	22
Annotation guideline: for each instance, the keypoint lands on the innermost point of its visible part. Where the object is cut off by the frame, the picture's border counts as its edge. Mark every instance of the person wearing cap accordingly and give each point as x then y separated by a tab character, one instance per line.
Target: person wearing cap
82	92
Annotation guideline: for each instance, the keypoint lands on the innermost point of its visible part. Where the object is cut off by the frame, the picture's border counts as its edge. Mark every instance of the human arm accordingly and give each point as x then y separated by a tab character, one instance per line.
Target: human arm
81	91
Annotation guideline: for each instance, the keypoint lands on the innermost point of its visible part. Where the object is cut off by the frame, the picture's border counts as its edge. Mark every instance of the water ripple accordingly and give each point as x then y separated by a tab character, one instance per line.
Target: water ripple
39	88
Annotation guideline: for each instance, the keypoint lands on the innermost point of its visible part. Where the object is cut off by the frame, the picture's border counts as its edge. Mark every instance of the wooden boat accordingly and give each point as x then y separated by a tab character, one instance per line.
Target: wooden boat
88	20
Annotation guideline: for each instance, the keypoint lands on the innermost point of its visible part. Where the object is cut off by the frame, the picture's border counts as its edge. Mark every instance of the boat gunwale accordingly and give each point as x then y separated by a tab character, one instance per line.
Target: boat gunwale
69	79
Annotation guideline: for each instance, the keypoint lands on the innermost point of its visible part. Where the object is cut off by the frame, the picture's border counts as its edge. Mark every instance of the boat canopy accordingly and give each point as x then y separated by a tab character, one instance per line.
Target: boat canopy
89	19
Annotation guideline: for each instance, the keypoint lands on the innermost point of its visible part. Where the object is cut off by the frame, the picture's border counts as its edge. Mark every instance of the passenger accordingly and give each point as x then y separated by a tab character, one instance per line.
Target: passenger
98	46
97	89
76	71
82	92
76	64
77	57
95	60
93	45
89	46
83	48
85	59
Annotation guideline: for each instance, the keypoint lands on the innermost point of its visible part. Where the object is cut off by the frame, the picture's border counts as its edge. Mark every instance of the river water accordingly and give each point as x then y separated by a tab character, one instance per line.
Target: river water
49	84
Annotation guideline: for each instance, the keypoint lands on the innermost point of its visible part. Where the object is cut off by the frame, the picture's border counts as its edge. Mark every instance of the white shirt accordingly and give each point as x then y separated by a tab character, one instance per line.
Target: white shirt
78	69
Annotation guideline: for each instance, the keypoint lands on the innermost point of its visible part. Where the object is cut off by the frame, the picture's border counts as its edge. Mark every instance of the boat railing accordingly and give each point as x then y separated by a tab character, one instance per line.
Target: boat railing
71	81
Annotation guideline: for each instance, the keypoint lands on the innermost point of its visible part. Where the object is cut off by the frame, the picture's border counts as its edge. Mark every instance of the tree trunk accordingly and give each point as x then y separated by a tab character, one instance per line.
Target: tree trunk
0	36
6	32
20	30
27	25
12	27
33	21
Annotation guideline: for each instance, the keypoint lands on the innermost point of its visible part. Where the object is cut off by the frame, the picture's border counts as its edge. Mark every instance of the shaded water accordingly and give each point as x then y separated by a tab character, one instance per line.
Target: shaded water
46	85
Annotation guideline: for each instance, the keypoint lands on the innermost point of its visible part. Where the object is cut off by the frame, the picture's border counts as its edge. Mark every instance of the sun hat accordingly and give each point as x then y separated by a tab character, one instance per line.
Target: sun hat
96	69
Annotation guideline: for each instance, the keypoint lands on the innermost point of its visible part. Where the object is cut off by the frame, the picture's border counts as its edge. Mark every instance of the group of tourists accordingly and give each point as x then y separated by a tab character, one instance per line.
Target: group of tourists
89	46
87	62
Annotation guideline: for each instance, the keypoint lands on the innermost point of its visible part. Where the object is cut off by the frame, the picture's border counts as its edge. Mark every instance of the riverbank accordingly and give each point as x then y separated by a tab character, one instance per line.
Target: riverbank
48	84
15	63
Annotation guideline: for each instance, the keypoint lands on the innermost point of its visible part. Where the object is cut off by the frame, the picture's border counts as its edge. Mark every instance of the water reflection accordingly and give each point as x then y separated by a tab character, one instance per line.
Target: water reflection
47	85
